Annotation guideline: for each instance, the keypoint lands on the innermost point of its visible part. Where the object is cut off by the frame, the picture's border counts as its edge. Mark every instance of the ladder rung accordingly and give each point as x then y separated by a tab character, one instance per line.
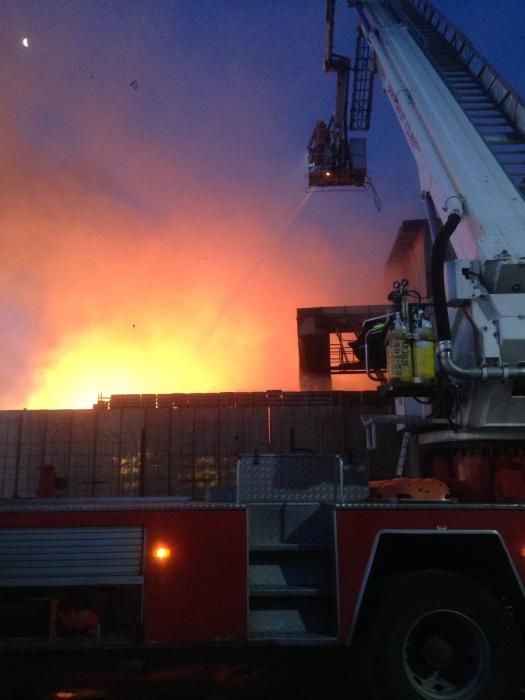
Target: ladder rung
518	167
482	108
516	146
473	104
495	120
289	591
502	156
479	104
500	139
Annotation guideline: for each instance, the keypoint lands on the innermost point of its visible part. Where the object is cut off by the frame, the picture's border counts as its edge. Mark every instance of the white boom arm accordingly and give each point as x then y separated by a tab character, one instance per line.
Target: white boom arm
481	208
455	166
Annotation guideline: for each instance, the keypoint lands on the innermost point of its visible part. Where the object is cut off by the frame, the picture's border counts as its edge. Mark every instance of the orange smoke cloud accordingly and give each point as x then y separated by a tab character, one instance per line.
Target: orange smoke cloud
104	295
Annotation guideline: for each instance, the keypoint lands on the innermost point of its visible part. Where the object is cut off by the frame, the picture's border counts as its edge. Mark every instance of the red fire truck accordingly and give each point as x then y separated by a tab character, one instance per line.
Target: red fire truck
430	594
428	590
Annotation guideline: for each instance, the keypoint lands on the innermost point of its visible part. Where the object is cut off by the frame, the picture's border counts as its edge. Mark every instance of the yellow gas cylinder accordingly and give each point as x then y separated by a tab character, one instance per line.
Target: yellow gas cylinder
423	351
398	353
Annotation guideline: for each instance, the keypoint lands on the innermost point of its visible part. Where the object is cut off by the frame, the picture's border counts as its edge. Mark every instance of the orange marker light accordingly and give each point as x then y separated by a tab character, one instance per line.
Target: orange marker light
161	552
522	552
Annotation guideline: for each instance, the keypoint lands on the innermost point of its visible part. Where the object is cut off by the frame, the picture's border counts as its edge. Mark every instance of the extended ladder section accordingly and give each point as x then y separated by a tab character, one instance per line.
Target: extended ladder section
491	105
363	85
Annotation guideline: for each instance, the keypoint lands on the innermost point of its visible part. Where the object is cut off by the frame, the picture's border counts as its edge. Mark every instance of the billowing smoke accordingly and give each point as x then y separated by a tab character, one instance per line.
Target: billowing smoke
101	296
127	267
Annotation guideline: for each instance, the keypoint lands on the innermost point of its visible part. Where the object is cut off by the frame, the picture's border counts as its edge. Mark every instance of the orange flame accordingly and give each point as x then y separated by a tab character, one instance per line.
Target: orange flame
200	295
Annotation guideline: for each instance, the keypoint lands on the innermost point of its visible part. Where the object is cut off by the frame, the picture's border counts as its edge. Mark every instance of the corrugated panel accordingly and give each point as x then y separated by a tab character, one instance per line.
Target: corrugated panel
157	452
58	441
106	472
129	464
10	425
71	556
82	461
32	452
295	428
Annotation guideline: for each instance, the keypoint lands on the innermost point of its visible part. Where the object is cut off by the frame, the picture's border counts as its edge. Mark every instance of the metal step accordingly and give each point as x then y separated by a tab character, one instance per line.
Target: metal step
292	638
289	526
297	570
280	617
291	572
284	547
288	592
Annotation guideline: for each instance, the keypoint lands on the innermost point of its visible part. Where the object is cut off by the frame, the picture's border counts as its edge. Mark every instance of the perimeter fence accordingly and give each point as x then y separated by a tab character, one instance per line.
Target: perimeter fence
179	444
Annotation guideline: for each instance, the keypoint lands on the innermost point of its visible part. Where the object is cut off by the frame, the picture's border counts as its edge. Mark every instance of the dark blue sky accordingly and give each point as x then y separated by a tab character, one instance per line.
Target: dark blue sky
230	88
204	161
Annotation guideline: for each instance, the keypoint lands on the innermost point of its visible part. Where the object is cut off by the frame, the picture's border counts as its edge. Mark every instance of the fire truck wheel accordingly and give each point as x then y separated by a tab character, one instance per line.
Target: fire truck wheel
436	635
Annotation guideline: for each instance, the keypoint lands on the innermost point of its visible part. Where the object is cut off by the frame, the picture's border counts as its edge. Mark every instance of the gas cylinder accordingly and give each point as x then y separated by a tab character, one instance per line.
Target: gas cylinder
398	352
423	350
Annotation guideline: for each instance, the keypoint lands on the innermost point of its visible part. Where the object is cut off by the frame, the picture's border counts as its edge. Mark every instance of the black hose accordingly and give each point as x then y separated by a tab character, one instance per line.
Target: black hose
437	275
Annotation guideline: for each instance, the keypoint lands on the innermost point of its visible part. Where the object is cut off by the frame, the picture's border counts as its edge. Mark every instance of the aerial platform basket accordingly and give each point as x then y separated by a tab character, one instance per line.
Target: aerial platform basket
327	169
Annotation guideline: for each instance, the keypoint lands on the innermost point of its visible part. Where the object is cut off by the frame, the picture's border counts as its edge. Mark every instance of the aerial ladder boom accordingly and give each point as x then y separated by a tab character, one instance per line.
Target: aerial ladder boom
455	166
466	130
465	127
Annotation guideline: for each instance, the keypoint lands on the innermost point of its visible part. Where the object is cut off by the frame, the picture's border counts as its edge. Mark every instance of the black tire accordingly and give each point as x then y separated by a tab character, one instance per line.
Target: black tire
437	635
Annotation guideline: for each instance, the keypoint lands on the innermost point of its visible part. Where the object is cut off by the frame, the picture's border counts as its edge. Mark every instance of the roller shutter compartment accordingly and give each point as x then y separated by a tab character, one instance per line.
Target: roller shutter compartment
71	556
